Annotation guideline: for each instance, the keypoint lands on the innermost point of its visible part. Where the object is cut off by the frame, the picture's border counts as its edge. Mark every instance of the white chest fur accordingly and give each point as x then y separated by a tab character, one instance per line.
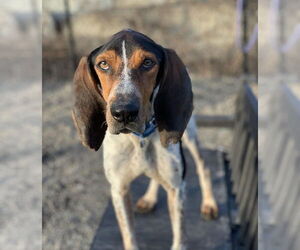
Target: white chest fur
127	156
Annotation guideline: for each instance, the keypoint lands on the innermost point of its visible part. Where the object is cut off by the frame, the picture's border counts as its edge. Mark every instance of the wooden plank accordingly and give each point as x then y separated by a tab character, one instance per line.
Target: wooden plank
244	170
290	111
226	121
274	185
238	130
247	172
239	160
284	196
250	191
154	231
251	108
280	172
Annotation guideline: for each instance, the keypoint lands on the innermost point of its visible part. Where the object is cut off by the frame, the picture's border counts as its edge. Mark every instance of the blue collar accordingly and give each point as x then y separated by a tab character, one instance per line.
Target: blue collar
150	128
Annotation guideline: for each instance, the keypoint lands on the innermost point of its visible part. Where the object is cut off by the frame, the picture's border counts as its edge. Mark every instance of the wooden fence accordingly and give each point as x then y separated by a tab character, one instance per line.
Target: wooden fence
242	172
279	182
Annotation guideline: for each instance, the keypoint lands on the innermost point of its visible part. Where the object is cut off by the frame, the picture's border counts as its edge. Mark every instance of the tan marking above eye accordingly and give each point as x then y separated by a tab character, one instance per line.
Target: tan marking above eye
139	56
108	81
111	58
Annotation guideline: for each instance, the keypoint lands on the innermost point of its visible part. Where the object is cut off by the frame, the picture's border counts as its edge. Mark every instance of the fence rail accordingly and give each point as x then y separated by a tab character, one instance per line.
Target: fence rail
226	121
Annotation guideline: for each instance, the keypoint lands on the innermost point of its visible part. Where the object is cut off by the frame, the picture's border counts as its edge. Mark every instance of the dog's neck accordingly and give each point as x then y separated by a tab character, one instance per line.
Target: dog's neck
149	128
151	124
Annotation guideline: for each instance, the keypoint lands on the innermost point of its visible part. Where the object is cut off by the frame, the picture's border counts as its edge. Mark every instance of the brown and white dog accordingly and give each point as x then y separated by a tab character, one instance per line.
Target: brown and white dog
141	93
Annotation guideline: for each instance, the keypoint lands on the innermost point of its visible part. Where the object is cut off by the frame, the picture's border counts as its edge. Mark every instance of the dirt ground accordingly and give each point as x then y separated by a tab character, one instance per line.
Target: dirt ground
75	191
20	137
21	170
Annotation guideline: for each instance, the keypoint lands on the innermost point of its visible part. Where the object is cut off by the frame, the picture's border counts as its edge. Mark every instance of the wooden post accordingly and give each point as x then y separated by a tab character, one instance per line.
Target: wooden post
72	44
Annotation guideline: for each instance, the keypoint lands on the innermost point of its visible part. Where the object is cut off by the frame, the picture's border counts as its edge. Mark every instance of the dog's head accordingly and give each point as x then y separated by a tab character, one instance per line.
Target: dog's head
123	83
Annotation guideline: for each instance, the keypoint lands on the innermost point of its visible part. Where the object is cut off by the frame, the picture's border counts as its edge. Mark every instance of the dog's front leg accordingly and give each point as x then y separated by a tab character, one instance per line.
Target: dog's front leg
122	205
175	204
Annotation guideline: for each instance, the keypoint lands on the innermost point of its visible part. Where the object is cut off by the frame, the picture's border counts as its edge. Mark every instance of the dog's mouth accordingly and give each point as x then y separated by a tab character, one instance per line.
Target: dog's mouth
125	131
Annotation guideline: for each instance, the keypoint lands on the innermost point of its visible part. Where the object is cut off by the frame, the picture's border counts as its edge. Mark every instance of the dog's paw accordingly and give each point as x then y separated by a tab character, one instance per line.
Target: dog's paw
144	206
209	210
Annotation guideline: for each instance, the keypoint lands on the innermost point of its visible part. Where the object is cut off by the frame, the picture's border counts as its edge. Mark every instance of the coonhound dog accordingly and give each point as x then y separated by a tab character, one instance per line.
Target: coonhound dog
135	97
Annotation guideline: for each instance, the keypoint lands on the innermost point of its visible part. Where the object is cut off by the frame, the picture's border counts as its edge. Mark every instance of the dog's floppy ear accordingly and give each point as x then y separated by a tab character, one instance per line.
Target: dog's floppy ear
173	104
89	108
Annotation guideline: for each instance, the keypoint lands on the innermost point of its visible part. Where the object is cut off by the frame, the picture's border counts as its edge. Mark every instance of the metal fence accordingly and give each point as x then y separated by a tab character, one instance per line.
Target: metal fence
242	172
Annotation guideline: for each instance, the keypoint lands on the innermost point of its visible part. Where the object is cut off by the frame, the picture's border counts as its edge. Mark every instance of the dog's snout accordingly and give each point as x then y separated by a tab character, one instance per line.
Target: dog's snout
124	113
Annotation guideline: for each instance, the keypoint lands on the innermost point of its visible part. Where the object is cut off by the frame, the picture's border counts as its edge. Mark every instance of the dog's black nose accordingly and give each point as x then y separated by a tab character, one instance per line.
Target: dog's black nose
124	113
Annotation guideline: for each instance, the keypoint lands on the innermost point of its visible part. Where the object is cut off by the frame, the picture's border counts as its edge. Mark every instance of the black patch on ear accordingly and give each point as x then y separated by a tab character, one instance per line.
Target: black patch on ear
89	107
91	63
173	104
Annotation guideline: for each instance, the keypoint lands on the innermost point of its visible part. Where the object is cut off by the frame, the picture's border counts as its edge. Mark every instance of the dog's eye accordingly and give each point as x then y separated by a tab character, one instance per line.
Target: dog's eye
148	63
103	65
